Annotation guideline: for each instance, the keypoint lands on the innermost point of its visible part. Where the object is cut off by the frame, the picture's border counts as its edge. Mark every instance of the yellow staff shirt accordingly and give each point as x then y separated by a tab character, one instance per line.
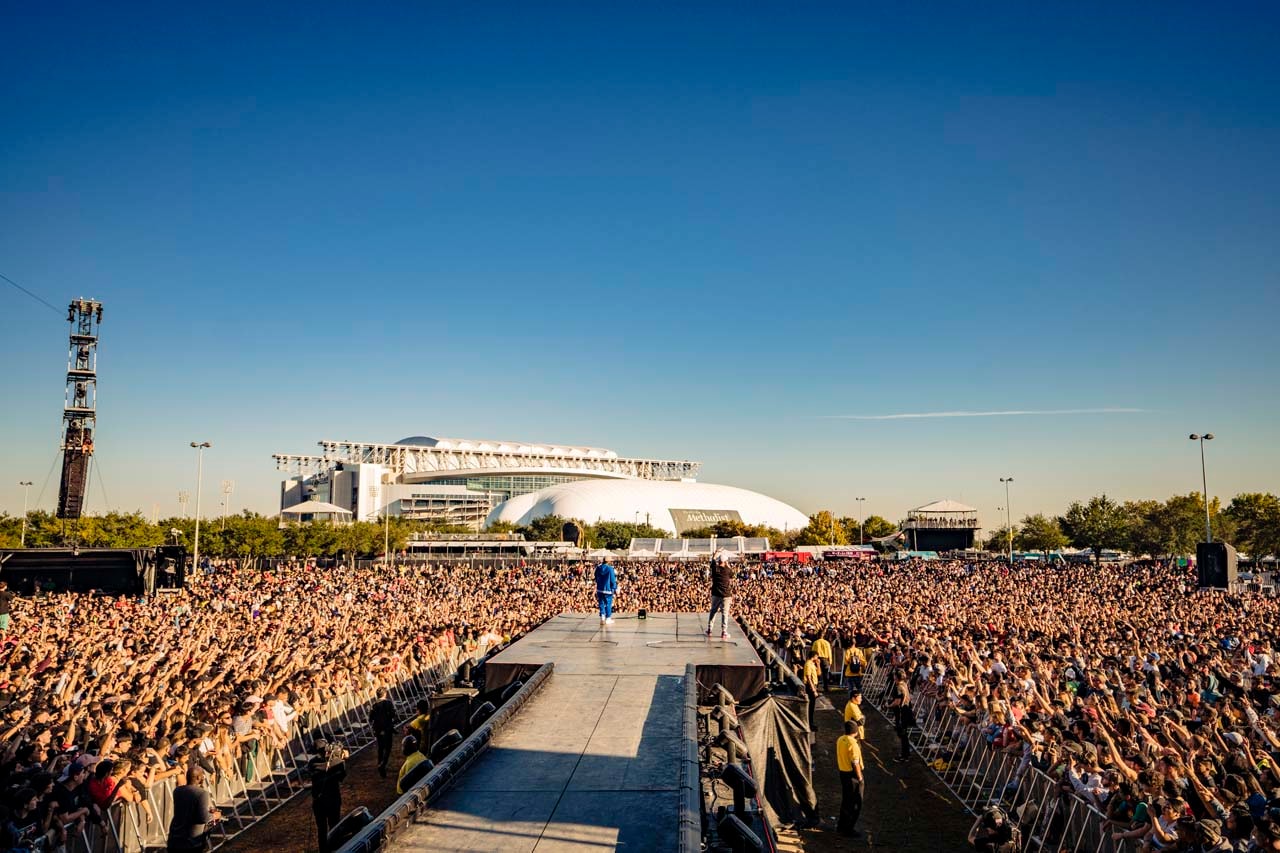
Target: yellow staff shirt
823	649
811	673
848	754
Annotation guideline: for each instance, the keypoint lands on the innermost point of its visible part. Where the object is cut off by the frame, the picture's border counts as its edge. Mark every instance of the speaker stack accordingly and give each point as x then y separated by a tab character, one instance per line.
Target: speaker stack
1215	565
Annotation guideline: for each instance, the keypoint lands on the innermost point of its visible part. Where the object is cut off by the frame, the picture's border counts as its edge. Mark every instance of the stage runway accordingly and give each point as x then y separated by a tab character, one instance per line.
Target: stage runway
592	762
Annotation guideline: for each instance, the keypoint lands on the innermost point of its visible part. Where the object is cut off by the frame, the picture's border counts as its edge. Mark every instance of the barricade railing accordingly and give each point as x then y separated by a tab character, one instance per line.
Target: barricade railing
980	774
257	779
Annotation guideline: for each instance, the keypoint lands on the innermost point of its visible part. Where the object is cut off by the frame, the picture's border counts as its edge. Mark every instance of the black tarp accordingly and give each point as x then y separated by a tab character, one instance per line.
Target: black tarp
776	730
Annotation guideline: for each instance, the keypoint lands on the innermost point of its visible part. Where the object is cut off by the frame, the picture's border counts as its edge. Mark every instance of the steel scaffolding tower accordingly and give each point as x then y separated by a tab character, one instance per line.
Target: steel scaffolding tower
79	411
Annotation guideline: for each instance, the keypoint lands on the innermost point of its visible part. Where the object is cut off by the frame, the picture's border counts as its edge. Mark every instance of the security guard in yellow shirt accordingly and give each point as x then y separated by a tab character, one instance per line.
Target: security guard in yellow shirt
853	713
822	648
811	671
849	763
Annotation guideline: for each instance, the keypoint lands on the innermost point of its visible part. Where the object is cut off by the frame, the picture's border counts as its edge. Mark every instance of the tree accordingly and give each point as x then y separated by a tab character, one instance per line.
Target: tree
1256	516
823	530
500	527
545	529
616	535
998	541
873	527
1096	525
1144	523
1039	533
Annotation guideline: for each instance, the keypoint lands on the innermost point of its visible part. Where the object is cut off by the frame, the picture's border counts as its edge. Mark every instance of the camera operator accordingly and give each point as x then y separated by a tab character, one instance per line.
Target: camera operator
327	768
992	833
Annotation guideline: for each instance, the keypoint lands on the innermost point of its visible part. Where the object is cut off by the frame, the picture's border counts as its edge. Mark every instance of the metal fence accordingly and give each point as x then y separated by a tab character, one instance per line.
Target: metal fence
980	775
259	779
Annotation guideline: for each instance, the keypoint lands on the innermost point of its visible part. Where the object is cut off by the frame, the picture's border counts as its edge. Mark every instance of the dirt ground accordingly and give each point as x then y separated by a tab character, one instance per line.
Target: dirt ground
906	809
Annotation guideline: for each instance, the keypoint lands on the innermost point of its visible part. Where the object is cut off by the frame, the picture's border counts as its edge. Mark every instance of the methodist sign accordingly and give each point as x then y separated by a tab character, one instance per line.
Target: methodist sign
692	519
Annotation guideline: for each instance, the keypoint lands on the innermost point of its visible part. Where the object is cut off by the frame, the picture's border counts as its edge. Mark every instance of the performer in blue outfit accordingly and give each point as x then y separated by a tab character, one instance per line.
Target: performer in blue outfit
606	586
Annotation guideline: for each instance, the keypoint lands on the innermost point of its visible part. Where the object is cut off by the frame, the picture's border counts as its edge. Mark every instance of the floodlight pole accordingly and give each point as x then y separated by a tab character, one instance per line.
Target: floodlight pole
26	490
200	448
1008	515
861	506
1204	482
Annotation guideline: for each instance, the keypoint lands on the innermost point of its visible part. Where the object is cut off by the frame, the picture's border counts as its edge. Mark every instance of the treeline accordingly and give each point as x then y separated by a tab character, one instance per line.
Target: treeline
824	528
1251	522
246	536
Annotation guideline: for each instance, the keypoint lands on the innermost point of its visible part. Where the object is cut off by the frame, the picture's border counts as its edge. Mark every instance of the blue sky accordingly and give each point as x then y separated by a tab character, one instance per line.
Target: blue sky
694	232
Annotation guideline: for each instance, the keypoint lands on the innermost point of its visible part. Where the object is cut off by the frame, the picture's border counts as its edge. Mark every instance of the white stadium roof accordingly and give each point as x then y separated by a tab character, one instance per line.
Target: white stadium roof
631	500
480	445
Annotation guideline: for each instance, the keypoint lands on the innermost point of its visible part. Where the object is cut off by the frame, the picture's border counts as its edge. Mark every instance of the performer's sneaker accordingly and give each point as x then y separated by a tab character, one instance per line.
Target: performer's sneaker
609	621
708	631
724	635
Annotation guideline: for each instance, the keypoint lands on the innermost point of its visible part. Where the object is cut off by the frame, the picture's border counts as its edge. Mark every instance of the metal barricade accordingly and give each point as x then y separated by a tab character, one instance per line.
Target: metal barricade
979	774
257	783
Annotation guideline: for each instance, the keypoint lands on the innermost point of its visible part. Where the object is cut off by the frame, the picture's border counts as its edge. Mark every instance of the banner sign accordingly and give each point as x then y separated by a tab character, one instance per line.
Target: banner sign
692	519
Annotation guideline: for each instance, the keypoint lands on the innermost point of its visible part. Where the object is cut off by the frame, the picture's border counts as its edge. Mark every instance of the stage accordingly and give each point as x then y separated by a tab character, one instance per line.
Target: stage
592	762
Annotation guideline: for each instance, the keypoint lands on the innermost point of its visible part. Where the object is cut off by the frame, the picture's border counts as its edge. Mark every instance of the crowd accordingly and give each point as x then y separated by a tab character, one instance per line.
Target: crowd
1156	702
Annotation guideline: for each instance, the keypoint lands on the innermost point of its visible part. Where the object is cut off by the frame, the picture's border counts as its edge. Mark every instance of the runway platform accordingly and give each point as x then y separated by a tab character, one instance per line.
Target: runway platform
592	762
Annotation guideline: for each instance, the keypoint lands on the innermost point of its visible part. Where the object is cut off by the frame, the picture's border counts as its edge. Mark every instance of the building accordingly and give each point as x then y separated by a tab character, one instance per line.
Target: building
452	480
676	506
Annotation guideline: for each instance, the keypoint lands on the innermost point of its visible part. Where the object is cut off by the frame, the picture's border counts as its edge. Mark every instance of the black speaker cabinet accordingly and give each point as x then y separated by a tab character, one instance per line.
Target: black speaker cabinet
1215	565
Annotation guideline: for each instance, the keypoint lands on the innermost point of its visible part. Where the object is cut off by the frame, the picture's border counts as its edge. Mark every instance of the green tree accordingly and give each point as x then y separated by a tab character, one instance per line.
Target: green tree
1144	527
1039	533
616	535
823	529
873	527
1098	524
500	527
545	529
1256	516
998	541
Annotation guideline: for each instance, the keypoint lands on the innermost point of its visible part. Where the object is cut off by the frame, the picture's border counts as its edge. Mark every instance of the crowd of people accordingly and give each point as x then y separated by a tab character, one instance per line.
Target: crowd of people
1156	702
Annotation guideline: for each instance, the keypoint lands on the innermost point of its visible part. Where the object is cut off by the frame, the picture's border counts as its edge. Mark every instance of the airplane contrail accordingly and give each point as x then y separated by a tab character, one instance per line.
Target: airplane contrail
994	414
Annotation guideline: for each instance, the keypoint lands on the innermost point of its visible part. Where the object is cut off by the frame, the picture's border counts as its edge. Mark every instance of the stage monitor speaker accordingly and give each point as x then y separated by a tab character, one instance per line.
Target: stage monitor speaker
571	532
346	829
1215	565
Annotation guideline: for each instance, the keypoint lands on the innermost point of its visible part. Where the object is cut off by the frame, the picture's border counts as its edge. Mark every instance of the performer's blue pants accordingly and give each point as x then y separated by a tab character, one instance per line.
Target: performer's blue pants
605	600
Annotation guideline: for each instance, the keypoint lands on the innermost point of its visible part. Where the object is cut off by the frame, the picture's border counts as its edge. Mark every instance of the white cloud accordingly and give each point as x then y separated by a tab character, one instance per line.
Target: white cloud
998	414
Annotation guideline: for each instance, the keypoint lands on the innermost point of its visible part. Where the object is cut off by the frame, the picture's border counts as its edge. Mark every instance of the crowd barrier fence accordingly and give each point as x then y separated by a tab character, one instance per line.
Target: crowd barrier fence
980	774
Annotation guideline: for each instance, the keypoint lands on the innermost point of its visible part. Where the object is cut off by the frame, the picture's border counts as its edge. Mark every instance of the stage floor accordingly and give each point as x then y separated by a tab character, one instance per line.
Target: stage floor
592	762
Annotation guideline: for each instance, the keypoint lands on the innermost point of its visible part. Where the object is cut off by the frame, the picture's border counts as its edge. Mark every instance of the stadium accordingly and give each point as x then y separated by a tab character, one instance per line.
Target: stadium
474	482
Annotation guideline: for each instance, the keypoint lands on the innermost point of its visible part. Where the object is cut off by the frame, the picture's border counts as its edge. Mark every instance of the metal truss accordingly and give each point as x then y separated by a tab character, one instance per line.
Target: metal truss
408	460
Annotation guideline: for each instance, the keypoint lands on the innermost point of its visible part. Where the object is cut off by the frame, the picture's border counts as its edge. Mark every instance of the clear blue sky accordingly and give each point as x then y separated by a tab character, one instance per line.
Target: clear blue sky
687	231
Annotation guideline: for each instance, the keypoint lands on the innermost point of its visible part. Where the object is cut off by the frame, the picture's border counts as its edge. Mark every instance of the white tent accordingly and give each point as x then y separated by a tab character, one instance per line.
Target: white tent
945	506
315	508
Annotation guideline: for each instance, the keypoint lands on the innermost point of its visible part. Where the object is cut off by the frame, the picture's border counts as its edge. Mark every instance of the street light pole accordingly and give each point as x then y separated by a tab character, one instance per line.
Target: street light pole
228	486
861	507
1008	515
26	490
200	448
1204	481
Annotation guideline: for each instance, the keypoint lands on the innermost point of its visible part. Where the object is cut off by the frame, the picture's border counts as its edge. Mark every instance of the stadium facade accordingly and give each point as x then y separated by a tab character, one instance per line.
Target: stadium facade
468	481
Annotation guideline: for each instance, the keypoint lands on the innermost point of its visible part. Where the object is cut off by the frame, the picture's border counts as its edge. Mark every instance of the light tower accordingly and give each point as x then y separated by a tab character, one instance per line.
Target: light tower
79	410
